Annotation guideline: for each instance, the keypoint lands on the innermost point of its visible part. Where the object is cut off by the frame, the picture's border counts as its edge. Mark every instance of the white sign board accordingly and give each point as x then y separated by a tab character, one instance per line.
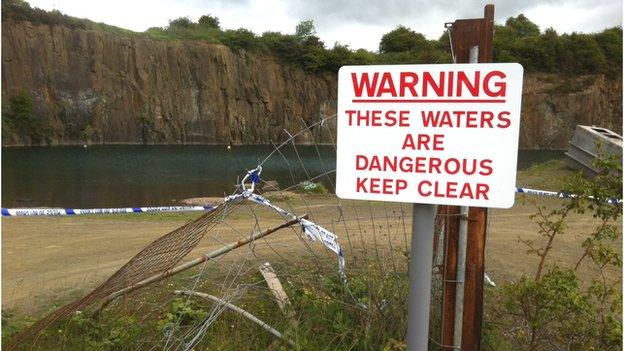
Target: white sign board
432	134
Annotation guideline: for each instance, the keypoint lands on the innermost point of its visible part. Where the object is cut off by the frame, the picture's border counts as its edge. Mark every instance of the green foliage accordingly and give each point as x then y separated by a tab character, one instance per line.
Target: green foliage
239	39
87	134
305	30
610	43
402	39
209	21
287	47
122	332
518	40
553	309
19	118
82	332
22	11
182	312
522	26
370	313
181	22
582	54
10	326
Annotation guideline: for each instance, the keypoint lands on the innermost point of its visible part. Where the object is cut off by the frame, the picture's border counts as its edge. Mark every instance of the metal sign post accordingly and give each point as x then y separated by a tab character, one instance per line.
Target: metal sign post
421	256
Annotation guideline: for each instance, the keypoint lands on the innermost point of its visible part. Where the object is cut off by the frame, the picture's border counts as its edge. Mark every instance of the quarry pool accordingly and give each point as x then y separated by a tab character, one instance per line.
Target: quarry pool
136	175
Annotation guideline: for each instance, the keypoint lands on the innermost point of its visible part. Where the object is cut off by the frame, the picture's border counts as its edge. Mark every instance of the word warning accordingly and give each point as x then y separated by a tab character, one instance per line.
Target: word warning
434	134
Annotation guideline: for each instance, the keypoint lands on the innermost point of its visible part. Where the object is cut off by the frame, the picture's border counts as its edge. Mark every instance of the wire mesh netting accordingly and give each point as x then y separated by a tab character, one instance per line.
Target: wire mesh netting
373	236
190	288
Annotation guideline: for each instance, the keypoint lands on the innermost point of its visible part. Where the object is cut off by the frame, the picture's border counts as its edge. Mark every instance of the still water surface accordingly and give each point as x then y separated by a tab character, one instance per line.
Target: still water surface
135	175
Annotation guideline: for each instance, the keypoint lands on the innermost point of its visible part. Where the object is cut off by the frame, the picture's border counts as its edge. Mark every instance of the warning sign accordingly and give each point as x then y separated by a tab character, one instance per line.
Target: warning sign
434	134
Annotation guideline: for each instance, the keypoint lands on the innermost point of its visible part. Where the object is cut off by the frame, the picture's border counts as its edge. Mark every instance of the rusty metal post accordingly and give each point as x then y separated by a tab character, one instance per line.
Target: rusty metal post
451	228
466	34
475	272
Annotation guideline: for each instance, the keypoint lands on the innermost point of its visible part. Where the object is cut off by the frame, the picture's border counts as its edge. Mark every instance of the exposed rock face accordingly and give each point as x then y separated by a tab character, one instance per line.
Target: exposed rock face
104	87
117	89
552	106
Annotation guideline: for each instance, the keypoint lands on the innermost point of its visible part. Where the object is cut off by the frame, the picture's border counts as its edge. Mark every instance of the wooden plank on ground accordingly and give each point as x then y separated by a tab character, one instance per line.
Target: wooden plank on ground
277	289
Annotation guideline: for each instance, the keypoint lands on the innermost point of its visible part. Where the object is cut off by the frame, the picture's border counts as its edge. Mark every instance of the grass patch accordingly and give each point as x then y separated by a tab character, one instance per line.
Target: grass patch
368	314
549	175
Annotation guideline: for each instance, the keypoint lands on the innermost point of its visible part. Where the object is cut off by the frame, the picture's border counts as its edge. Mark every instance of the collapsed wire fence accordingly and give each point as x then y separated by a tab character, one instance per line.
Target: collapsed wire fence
373	237
219	255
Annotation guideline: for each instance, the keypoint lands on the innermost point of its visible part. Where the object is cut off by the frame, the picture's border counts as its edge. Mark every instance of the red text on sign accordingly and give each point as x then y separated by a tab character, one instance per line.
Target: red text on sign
466	119
380	185
426	84
375	118
453	190
424	142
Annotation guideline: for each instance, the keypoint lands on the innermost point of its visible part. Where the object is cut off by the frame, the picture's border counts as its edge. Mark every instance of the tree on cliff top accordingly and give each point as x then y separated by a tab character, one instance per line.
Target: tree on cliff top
181	22
209	21
518	40
402	39
304	30
522	26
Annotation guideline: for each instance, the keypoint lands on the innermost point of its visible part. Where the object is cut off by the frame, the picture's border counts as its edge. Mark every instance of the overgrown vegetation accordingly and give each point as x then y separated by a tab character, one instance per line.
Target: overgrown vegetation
22	11
553	309
19	118
518	40
370	315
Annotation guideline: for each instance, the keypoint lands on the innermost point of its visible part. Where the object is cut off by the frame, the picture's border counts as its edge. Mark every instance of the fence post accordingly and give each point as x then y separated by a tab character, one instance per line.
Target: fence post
466	34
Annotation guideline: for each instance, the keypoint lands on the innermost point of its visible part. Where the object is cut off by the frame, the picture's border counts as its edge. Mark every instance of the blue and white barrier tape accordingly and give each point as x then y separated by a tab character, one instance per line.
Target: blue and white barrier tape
16	212
312	230
529	191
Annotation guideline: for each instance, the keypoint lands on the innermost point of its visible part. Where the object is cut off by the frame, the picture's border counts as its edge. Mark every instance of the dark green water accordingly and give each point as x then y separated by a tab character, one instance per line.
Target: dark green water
132	175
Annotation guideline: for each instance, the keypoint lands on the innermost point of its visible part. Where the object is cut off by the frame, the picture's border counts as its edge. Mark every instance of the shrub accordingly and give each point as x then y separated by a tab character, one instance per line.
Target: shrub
553	309
19	118
239	39
209	21
518	40
181	22
402	39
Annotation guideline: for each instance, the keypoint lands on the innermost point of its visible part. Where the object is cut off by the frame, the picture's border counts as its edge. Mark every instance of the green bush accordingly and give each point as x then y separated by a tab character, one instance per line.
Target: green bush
21	10
209	21
181	22
239	39
19	118
518	40
553	309
403	39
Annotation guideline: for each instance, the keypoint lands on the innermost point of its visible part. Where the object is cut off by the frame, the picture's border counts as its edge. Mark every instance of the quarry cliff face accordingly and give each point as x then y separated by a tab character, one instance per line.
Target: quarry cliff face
116	89
103	87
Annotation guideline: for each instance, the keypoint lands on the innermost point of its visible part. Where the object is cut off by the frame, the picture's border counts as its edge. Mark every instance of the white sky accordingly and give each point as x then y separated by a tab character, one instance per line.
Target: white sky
359	24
